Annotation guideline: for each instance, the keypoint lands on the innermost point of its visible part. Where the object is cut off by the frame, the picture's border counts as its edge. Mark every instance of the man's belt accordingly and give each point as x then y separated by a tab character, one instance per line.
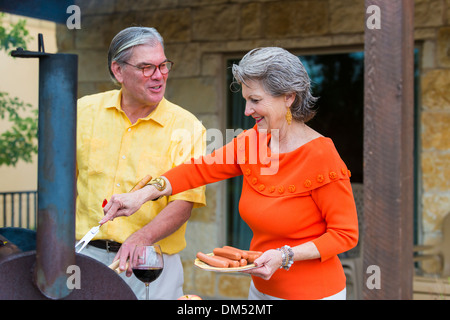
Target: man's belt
108	245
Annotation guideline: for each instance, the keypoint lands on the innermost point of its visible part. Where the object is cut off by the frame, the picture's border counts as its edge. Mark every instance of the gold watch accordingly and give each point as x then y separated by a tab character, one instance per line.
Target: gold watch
159	183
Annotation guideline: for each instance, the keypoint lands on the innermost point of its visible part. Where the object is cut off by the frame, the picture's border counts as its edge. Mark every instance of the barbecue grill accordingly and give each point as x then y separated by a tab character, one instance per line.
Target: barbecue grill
47	272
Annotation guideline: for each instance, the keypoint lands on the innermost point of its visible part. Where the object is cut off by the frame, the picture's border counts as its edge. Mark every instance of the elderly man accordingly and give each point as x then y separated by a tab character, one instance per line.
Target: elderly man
124	135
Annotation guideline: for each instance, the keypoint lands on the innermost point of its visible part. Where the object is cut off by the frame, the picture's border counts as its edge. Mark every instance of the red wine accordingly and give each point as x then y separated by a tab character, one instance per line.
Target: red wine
147	274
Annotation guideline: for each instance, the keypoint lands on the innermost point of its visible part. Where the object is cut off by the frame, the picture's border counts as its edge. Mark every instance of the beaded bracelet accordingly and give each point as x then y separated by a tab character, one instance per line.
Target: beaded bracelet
287	257
283	257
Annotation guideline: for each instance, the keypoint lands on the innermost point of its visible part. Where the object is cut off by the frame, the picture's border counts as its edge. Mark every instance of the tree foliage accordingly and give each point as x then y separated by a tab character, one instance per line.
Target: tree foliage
14	35
19	142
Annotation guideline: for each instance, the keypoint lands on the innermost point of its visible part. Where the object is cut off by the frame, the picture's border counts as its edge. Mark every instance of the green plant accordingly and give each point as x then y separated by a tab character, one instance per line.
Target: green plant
19	142
14	35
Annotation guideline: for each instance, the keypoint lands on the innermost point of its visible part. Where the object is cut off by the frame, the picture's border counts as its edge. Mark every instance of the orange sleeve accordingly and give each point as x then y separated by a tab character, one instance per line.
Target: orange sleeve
335	201
219	165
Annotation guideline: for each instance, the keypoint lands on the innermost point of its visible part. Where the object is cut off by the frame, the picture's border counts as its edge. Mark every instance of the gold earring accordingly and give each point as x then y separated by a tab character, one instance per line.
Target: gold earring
289	116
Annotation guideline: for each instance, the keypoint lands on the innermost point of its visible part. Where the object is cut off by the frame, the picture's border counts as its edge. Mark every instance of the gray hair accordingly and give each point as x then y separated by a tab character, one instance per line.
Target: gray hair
280	72
125	40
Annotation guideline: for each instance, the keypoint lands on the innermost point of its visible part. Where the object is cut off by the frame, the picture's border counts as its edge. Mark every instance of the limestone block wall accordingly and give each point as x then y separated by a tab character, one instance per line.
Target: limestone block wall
435	133
200	35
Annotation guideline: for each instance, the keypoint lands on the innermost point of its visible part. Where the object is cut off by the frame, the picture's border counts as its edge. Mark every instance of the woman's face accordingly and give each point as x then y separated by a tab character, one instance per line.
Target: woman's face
268	111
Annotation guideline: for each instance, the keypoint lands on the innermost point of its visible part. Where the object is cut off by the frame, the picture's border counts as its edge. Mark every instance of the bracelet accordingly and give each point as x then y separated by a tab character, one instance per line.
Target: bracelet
282	257
287	257
159	183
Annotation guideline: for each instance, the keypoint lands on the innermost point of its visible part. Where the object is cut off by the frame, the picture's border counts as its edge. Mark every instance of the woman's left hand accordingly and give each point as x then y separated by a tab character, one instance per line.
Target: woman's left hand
266	265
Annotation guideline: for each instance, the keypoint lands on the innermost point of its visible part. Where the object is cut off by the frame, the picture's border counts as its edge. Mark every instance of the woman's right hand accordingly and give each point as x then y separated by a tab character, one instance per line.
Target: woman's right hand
126	204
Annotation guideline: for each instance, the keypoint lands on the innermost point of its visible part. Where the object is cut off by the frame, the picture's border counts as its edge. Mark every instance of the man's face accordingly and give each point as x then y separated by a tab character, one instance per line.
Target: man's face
138	89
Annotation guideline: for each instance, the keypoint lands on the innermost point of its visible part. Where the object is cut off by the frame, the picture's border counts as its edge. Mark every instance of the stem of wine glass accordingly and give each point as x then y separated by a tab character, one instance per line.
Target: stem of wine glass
146	291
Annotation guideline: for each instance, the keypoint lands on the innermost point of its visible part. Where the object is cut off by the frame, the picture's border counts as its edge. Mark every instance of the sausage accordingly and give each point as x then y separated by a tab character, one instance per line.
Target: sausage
243	253
231	263
212	261
243	262
253	255
227	253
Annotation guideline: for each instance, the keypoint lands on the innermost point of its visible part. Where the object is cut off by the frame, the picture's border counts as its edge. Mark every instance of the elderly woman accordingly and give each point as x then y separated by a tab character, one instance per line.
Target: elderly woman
296	195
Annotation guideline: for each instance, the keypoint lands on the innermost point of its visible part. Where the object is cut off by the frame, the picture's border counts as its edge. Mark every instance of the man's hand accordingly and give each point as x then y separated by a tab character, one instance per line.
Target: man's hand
126	250
170	219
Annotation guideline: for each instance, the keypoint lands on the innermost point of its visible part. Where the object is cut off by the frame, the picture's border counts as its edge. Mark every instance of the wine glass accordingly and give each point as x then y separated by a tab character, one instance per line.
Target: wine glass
147	264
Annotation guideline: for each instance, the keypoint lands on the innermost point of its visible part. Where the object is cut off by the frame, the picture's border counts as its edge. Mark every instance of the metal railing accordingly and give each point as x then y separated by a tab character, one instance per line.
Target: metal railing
18	209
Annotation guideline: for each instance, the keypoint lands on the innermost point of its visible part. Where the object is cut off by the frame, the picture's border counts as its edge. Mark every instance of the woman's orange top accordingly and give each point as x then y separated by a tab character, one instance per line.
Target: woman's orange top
287	199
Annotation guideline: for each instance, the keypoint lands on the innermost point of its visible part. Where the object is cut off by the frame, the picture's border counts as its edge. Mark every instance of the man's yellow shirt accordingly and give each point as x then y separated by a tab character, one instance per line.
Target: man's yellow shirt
113	155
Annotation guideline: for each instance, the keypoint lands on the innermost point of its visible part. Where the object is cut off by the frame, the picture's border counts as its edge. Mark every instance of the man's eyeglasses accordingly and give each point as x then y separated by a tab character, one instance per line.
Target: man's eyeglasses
149	69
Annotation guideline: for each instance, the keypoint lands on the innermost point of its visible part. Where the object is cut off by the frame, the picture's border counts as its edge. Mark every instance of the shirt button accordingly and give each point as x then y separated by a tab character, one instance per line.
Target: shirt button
129	129
123	157
118	184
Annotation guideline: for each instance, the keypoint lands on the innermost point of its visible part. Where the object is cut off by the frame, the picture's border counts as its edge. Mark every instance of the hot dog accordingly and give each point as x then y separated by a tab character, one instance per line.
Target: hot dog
253	255
231	263
212	261
227	253
229	257
243	253
243	262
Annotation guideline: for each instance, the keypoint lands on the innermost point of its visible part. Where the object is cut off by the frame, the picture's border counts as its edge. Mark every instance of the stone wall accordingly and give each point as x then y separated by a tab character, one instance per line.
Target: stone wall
435	124
200	35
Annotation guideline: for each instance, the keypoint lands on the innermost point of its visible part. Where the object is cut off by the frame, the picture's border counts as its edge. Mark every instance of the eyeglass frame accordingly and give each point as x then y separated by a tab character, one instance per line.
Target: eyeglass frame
150	65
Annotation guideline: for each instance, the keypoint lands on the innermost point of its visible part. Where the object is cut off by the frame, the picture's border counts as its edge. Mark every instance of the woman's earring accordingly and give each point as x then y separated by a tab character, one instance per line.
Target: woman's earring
289	116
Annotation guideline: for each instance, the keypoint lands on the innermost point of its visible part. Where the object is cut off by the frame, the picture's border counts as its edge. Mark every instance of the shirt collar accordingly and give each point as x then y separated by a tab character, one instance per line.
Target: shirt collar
114	100
159	115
